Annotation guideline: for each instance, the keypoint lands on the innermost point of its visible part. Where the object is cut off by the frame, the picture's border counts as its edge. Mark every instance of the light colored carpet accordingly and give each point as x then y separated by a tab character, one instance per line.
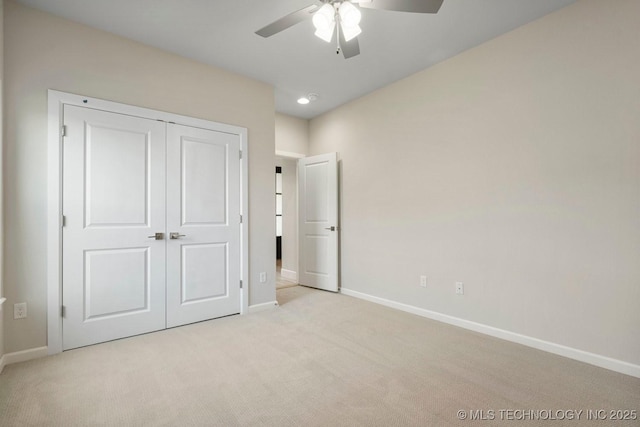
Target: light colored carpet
284	283
320	359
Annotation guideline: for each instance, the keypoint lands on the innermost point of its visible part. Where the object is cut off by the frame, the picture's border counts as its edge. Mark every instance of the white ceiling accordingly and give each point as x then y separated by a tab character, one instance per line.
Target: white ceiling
393	45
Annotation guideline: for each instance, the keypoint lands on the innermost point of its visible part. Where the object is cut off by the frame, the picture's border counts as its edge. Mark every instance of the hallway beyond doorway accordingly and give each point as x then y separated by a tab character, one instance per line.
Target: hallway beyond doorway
281	282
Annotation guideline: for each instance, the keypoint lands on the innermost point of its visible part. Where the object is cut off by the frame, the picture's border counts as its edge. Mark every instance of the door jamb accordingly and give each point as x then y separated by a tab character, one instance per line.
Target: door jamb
56	102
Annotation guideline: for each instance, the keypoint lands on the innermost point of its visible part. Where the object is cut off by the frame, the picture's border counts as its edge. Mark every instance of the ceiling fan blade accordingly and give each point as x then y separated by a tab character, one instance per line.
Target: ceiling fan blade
349	48
415	6
287	21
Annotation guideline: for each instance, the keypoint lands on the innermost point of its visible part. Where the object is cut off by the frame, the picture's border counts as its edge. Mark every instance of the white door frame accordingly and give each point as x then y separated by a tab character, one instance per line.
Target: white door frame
56	102
287	155
297	156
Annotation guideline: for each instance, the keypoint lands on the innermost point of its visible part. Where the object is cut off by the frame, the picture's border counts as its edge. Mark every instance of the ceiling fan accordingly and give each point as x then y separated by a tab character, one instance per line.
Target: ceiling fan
342	18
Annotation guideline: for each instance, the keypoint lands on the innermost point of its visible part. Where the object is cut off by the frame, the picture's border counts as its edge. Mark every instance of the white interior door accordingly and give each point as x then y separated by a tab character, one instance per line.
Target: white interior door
203	216
318	221
113	200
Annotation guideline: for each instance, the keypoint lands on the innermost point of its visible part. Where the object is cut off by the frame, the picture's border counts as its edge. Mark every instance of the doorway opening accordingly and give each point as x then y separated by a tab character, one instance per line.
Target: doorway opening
307	222
286	223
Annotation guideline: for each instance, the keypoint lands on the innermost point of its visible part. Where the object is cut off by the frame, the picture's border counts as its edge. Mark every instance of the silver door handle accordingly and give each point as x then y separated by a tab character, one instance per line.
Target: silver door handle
332	228
157	236
175	235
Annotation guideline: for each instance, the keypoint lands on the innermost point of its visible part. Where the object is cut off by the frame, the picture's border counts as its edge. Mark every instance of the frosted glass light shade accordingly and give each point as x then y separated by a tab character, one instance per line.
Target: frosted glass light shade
349	15
349	19
326	34
325	22
324	17
350	32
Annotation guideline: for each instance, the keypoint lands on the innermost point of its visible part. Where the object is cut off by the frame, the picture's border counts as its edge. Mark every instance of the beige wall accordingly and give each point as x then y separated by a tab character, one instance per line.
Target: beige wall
512	167
45	52
292	135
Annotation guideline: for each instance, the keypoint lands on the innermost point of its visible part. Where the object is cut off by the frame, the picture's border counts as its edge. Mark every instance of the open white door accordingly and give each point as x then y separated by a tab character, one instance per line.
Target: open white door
318	221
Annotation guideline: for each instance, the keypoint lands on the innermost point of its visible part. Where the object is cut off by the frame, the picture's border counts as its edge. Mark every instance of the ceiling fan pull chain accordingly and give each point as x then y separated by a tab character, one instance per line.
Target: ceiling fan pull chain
337	38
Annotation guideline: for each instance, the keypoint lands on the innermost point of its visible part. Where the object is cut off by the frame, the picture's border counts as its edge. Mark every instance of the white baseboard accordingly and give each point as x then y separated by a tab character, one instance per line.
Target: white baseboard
262	307
289	275
561	350
24	355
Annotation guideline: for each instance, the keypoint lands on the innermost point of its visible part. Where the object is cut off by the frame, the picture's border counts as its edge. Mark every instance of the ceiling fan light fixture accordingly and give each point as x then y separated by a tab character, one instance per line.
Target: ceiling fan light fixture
343	18
325	22
326	34
350	15
350	32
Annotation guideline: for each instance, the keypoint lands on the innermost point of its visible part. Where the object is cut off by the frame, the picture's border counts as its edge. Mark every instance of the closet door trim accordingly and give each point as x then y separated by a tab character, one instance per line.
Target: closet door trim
56	102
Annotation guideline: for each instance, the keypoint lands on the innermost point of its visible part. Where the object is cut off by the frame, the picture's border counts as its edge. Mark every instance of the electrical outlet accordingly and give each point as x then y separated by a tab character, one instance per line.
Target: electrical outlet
263	277
459	288
20	310
423	281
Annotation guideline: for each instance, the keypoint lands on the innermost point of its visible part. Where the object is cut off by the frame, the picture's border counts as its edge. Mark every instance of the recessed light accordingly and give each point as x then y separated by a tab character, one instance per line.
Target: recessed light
303	101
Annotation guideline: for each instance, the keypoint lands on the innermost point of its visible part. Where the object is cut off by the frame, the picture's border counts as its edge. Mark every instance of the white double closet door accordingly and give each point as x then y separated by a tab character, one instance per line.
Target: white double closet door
151	238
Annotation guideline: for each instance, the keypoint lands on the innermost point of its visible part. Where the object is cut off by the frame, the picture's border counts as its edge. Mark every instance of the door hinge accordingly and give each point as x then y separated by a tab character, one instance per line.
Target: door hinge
240	284
63	311
63	130
64	220
240	153
240	219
